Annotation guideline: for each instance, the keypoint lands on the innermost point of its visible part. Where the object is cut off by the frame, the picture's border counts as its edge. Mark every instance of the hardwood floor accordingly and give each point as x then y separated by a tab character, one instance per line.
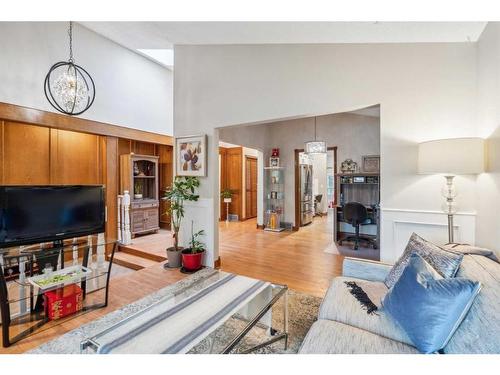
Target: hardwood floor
123	290
297	259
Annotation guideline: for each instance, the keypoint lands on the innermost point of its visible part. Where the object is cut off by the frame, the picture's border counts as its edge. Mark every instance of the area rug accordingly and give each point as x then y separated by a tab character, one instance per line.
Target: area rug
302	313
303	310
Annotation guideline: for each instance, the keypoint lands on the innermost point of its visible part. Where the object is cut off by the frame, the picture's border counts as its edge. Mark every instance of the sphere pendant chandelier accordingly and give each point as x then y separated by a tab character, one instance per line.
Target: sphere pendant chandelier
68	87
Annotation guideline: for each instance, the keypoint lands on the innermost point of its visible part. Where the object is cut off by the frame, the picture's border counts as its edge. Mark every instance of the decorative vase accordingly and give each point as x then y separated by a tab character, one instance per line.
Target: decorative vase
227	200
174	257
191	262
137	196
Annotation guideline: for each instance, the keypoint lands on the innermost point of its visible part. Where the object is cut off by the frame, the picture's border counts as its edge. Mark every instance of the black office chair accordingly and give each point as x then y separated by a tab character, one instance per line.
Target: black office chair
317	201
356	214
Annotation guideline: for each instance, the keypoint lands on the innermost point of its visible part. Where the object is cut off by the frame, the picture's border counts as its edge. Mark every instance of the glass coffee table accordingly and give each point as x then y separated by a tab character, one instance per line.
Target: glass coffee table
211	315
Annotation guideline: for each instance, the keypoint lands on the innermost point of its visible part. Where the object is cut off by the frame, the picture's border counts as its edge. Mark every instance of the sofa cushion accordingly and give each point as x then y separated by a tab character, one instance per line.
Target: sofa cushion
480	330
445	262
427	306
330	337
340	305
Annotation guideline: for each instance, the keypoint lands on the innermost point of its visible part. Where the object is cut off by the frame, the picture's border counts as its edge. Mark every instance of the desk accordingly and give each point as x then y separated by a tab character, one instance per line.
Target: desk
357	187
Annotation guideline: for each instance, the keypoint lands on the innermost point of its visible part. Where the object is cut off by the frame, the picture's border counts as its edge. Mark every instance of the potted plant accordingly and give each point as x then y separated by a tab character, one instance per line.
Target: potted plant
227	194
192	256
182	189
137	190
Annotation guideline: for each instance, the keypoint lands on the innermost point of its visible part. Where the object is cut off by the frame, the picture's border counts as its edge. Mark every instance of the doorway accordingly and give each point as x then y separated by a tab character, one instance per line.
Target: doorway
250	187
327	199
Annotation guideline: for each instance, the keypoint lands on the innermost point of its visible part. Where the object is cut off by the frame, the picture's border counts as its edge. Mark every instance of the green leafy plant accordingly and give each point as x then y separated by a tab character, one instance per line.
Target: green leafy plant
182	189
195	244
137	188
226	193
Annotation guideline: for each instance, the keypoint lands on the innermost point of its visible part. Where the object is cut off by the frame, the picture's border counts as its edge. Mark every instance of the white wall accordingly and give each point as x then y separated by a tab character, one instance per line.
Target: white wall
131	90
488	122
426	91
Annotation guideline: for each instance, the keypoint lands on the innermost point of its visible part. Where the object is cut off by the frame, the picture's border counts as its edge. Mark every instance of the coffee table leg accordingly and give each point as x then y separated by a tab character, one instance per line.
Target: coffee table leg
285	318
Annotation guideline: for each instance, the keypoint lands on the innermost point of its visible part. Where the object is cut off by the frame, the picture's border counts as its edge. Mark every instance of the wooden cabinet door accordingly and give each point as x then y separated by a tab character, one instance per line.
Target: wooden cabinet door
25	154
250	187
151	218
234	164
75	158
166	174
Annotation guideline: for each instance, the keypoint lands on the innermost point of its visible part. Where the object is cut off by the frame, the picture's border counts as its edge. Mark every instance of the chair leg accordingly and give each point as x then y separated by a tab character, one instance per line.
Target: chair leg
356	241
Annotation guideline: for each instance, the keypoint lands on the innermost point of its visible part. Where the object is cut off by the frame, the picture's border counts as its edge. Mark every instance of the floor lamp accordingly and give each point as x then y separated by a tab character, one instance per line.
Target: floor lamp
451	157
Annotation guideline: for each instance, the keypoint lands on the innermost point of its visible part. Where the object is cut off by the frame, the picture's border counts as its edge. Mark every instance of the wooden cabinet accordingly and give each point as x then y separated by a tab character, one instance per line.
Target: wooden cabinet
139	176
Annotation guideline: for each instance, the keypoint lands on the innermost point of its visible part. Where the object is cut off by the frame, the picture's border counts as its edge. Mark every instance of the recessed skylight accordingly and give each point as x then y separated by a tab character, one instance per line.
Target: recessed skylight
163	57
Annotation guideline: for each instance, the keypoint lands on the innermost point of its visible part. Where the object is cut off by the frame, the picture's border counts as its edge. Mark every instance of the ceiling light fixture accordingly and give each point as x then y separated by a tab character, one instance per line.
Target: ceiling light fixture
315	147
68	87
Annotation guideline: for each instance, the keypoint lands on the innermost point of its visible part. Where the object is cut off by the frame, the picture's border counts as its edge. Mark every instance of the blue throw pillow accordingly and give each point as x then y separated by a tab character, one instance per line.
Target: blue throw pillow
428	307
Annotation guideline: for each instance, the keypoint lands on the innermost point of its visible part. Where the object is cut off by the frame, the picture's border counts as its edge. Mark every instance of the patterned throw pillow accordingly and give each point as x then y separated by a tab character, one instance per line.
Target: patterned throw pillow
445	262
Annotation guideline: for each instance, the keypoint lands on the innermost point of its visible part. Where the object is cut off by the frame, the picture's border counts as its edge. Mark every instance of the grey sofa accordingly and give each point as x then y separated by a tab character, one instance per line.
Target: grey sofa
344	327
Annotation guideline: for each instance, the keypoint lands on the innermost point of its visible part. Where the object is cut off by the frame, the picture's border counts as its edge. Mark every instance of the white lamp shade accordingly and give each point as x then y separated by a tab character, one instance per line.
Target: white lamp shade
452	156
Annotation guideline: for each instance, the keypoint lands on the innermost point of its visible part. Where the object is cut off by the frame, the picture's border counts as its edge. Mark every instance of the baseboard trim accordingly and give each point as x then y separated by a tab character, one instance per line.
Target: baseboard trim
217	263
260	226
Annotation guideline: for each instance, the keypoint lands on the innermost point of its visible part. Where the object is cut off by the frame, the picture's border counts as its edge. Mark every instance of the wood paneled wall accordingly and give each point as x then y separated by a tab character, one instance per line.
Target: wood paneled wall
34	154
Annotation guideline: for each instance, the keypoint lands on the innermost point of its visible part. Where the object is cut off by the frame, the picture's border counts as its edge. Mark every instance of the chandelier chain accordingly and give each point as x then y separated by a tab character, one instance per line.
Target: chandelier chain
70	33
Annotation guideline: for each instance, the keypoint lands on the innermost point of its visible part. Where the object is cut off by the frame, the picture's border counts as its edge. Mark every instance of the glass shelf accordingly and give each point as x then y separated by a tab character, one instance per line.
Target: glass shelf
21	301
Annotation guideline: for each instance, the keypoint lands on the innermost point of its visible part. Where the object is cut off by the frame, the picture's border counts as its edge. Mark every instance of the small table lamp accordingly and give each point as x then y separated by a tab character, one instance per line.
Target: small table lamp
451	157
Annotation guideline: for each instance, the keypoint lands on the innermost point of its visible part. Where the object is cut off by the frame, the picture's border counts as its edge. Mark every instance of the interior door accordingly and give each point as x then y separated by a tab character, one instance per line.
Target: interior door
234	171
250	187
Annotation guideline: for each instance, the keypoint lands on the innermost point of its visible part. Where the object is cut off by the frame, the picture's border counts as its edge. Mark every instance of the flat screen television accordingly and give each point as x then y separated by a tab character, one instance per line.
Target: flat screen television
35	214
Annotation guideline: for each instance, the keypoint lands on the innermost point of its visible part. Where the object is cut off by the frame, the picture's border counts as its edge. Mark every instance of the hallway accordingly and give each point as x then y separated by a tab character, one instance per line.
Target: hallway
303	260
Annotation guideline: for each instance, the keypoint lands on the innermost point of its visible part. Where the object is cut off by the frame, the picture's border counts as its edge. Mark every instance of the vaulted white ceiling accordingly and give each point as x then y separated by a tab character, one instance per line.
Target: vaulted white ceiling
151	35
164	35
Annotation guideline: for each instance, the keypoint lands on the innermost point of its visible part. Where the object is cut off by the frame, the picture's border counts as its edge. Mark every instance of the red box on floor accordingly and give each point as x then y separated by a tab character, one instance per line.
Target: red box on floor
63	301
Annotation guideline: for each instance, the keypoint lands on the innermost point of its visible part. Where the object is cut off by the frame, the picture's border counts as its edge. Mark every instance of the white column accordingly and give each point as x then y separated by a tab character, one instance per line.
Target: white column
127	235
119	224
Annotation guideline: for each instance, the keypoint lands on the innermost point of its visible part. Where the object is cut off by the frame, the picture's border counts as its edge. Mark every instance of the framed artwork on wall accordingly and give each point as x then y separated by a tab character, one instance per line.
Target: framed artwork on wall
191	156
371	163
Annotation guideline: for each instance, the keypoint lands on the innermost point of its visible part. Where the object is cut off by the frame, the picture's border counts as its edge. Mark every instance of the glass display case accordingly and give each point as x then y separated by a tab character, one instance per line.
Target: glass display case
274	199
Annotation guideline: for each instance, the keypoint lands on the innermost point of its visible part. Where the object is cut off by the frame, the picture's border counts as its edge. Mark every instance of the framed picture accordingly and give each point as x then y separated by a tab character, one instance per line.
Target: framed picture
274	162
191	155
371	163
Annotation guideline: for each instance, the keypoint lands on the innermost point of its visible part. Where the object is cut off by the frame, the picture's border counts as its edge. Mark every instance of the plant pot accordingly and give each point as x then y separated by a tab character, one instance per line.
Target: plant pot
137	196
191	262
227	200
174	257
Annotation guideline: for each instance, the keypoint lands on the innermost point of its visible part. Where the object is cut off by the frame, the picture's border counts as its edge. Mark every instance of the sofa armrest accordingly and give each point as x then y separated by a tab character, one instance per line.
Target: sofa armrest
365	269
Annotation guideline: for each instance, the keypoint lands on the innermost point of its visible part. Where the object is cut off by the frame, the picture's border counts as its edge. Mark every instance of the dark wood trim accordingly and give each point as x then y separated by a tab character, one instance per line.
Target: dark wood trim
260	226
296	225
217	263
15	113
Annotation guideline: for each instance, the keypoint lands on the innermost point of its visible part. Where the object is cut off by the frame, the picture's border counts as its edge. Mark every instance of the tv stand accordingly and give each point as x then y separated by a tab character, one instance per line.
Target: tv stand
58	243
20	301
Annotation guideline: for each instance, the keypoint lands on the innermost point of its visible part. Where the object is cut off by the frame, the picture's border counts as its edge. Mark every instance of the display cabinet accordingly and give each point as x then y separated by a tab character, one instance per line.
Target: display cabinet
275	199
139	176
